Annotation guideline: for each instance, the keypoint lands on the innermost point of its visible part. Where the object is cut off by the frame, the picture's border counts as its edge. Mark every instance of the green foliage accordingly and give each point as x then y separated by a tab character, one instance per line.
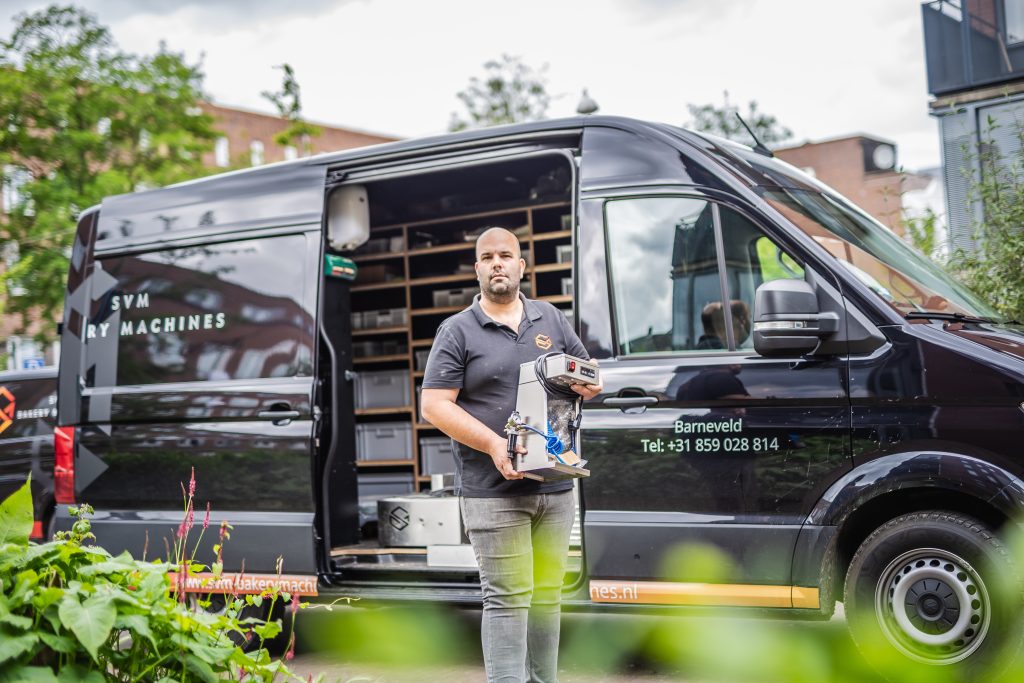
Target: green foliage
722	121
72	612
289	106
509	92
83	120
923	235
993	268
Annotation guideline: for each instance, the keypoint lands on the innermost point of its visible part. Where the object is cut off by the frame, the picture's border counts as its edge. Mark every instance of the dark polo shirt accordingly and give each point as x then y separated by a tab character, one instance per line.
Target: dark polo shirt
481	358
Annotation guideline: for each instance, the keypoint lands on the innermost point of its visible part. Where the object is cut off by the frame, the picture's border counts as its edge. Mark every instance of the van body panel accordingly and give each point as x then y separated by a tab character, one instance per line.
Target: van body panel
257	539
264	197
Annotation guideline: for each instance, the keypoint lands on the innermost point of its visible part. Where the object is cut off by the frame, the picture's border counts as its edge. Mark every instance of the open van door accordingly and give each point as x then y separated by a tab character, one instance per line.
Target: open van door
188	346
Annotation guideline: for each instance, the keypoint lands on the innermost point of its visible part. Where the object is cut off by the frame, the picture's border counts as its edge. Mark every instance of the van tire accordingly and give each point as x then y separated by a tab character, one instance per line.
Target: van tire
931	590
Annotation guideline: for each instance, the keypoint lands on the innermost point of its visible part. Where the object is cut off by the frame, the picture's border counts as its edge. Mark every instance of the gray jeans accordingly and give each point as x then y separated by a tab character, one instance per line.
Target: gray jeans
521	545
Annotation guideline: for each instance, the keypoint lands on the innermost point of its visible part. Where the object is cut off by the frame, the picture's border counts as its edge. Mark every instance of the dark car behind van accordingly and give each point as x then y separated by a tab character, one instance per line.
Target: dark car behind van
28	414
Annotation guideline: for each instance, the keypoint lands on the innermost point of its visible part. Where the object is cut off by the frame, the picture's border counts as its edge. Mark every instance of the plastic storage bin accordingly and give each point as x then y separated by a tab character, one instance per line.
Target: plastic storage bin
421	358
567	285
384	441
386	317
436	455
382	389
563	253
376	485
462	296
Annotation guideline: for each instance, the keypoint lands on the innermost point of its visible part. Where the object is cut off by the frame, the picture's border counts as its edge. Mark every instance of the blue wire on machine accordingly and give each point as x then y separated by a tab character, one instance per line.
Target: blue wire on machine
554	445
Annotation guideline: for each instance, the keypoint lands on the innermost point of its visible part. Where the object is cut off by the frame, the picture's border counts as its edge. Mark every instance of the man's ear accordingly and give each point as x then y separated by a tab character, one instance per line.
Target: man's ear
522	267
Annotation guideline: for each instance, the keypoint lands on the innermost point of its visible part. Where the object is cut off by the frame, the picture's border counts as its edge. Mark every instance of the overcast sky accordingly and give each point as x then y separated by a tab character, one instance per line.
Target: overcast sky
825	68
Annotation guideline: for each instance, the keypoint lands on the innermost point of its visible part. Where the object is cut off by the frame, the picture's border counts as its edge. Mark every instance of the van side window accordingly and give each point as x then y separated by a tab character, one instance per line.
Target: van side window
664	273
751	259
237	310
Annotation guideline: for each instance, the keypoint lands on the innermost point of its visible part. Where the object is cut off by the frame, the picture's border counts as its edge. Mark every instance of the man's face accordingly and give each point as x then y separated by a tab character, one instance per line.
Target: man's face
499	266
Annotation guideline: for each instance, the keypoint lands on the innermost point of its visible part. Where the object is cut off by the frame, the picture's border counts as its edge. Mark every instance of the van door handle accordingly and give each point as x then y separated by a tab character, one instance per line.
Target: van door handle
279	417
630	401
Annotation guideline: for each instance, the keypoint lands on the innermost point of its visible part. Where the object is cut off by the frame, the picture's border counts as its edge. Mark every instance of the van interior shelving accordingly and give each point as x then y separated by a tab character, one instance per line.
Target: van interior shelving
414	271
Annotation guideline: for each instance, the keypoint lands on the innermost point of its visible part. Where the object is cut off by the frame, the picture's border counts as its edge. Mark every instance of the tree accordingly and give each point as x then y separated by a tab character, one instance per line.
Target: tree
82	120
992	268
722	121
509	92
289	106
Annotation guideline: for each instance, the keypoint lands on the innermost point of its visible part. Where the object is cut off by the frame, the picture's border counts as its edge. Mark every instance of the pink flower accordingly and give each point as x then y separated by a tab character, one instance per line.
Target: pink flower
192	483
206	520
295	604
290	654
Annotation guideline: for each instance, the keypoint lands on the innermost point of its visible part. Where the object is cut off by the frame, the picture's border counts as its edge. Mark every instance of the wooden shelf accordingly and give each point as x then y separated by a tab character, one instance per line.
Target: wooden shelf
379	285
382	463
518	208
362	360
541	236
557	299
552	267
422	342
370	258
439	279
423	479
442	248
390	410
379	330
436	311
418	373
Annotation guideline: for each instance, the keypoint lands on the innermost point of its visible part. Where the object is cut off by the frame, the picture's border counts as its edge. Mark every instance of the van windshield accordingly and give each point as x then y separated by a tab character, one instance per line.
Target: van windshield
904	278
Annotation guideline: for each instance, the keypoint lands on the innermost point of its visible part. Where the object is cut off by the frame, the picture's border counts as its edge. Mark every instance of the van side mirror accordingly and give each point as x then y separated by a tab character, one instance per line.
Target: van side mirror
787	321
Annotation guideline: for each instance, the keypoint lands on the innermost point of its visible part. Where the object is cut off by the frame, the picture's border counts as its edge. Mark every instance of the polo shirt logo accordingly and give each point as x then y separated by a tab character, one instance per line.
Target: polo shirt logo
543	342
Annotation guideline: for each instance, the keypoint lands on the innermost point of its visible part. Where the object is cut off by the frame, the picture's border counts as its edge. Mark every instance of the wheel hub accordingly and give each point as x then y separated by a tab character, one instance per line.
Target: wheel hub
933	606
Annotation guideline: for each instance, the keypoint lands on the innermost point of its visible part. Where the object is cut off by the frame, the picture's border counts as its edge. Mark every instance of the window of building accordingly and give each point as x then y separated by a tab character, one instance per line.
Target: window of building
256	153
1013	11
290	152
222	152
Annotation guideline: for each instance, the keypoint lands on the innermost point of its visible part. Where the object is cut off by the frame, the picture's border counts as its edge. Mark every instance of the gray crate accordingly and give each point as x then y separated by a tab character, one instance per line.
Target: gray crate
567	285
462	296
357	320
365	347
563	253
421	358
382	389
384	441
374	486
436	456
385	317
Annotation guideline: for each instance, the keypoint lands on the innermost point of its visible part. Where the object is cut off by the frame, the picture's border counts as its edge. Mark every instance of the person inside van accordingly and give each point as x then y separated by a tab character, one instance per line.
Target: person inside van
712	318
519	528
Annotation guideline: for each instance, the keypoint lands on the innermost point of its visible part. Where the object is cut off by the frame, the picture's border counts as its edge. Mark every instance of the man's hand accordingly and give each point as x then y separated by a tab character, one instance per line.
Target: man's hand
588	391
503	463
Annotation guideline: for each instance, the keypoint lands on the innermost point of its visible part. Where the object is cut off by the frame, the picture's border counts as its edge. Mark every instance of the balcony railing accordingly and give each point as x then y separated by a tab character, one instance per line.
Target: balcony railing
967	44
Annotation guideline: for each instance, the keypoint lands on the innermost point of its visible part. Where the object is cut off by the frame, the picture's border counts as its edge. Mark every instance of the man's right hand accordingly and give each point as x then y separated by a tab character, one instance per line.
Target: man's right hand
503	463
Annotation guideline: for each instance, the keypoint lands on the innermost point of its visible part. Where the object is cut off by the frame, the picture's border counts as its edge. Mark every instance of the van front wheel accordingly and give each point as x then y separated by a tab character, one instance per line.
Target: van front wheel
937	588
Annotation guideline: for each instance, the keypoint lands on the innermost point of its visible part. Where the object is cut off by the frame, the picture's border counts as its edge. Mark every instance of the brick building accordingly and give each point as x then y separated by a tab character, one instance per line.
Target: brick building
862	169
247	139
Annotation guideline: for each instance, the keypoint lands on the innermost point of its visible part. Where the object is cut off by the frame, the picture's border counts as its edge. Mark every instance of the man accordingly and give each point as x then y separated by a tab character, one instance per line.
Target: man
519	527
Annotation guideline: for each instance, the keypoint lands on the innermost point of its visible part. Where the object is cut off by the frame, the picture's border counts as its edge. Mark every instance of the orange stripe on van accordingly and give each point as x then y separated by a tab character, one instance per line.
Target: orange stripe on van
704	594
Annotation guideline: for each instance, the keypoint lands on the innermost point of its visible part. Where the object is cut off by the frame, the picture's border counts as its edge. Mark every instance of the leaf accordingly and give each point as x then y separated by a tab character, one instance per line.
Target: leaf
57	643
139	624
16	516
14	645
90	621
79	674
32	674
6	617
201	669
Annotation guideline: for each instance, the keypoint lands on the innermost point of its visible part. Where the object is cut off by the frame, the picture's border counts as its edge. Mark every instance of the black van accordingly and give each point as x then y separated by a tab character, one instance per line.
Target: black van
28	414
785	380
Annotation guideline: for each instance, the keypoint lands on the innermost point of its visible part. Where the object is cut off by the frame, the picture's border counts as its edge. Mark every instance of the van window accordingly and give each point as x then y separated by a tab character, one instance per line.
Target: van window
214	312
664	274
751	259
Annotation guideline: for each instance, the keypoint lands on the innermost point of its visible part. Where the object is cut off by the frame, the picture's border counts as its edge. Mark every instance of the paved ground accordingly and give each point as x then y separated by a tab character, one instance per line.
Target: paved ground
401	646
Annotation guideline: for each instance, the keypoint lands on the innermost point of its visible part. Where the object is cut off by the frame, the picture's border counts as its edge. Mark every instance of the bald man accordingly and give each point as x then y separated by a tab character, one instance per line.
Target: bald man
519	527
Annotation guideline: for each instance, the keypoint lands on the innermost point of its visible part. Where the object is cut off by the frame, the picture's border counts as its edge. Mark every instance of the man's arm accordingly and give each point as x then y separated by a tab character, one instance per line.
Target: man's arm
439	409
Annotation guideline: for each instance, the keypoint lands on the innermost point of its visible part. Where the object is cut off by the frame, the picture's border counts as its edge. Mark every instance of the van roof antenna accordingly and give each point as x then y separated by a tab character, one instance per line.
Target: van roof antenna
758	146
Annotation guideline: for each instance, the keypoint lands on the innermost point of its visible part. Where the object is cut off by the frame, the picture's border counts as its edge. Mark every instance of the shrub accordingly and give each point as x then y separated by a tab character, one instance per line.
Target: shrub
70	611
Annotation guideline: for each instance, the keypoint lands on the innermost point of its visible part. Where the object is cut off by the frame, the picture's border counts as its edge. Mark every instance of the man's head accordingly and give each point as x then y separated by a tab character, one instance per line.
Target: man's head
499	265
